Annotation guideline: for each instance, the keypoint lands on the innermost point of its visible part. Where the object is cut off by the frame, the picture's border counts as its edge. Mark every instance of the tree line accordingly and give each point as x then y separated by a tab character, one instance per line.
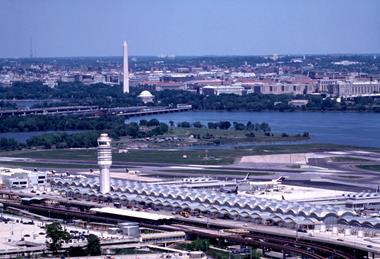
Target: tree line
56	236
113	125
225	125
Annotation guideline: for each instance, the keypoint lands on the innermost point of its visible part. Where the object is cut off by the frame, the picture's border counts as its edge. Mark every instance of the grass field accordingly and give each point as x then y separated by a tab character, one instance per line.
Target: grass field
214	172
375	168
231	136
45	165
349	159
214	156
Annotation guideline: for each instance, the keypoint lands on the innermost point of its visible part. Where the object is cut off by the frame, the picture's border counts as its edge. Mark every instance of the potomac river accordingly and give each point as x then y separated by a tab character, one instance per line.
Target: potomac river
347	128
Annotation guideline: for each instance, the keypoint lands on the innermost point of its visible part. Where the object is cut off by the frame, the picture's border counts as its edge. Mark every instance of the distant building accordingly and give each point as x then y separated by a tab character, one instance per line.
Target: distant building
356	88
326	85
50	83
99	78
349	88
112	79
222	89
146	97
177	77
285	86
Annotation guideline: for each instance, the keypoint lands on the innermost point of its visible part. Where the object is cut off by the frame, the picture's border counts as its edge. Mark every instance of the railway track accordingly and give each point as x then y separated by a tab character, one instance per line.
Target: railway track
313	246
256	239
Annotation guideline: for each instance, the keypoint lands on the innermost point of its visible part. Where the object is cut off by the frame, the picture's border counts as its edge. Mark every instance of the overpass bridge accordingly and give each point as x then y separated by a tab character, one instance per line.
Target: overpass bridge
64	110
151	111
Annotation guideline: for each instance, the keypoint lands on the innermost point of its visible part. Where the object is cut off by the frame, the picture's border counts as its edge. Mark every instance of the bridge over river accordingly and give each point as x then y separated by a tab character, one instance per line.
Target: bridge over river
96	110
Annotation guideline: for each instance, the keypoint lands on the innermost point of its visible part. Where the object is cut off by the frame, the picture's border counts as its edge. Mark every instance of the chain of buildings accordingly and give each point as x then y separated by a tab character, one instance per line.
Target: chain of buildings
277	75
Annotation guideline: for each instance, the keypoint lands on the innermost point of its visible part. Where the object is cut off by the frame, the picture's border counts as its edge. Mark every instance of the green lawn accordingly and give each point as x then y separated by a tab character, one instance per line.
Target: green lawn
349	159
231	136
375	168
45	165
69	154
213	172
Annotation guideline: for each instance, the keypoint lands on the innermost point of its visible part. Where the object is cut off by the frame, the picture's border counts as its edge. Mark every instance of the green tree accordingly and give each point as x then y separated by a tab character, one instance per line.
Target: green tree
184	124
153	122
239	126
56	236
199	245
225	125
197	124
143	123
93	245
265	127
133	129
212	125
163	128
75	251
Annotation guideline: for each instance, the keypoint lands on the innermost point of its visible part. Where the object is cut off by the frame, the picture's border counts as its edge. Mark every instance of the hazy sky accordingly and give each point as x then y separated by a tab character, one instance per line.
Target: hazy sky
188	27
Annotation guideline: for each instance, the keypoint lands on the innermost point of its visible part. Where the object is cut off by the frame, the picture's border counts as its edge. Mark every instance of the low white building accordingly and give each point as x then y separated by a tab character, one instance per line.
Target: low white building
20	178
146	96
298	103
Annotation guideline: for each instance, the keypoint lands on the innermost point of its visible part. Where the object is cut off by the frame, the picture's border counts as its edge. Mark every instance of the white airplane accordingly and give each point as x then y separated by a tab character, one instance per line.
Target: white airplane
265	183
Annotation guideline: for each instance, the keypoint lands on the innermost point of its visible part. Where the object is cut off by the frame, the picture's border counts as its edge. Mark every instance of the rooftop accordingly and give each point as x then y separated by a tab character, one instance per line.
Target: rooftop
132	213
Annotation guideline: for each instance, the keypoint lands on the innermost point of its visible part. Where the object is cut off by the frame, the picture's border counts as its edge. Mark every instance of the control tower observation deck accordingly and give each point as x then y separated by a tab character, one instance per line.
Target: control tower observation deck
104	161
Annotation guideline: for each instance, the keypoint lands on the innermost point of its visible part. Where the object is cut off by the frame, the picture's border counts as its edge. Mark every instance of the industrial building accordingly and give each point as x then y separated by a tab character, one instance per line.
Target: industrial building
222	89
14	178
349	88
357	88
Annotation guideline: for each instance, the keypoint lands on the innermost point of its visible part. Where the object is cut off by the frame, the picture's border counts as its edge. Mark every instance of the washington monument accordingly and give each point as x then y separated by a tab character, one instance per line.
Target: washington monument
125	68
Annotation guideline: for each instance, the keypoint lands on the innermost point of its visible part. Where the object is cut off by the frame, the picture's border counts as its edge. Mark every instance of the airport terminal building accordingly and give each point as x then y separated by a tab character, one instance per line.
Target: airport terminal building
214	204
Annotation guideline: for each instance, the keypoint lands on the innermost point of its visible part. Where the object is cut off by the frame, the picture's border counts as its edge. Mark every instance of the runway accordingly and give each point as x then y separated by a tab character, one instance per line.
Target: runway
320	172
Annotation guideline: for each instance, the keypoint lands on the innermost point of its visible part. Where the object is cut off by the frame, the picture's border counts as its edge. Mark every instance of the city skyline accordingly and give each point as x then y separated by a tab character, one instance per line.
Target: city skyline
188	29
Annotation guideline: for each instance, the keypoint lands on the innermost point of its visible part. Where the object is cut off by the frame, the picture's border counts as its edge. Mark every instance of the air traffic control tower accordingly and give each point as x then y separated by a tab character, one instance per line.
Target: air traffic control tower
104	162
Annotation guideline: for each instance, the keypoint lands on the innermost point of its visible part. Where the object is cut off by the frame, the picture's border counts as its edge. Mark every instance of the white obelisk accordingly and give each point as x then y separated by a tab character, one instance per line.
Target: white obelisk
125	68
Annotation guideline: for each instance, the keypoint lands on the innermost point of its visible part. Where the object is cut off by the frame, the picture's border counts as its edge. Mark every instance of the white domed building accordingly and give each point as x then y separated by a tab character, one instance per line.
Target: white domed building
146	97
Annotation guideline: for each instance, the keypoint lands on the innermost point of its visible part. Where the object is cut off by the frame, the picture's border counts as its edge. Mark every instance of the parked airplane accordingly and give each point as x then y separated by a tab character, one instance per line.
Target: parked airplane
259	183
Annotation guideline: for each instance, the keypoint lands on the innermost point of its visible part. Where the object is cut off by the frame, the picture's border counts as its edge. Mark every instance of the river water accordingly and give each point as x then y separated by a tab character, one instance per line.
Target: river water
357	129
